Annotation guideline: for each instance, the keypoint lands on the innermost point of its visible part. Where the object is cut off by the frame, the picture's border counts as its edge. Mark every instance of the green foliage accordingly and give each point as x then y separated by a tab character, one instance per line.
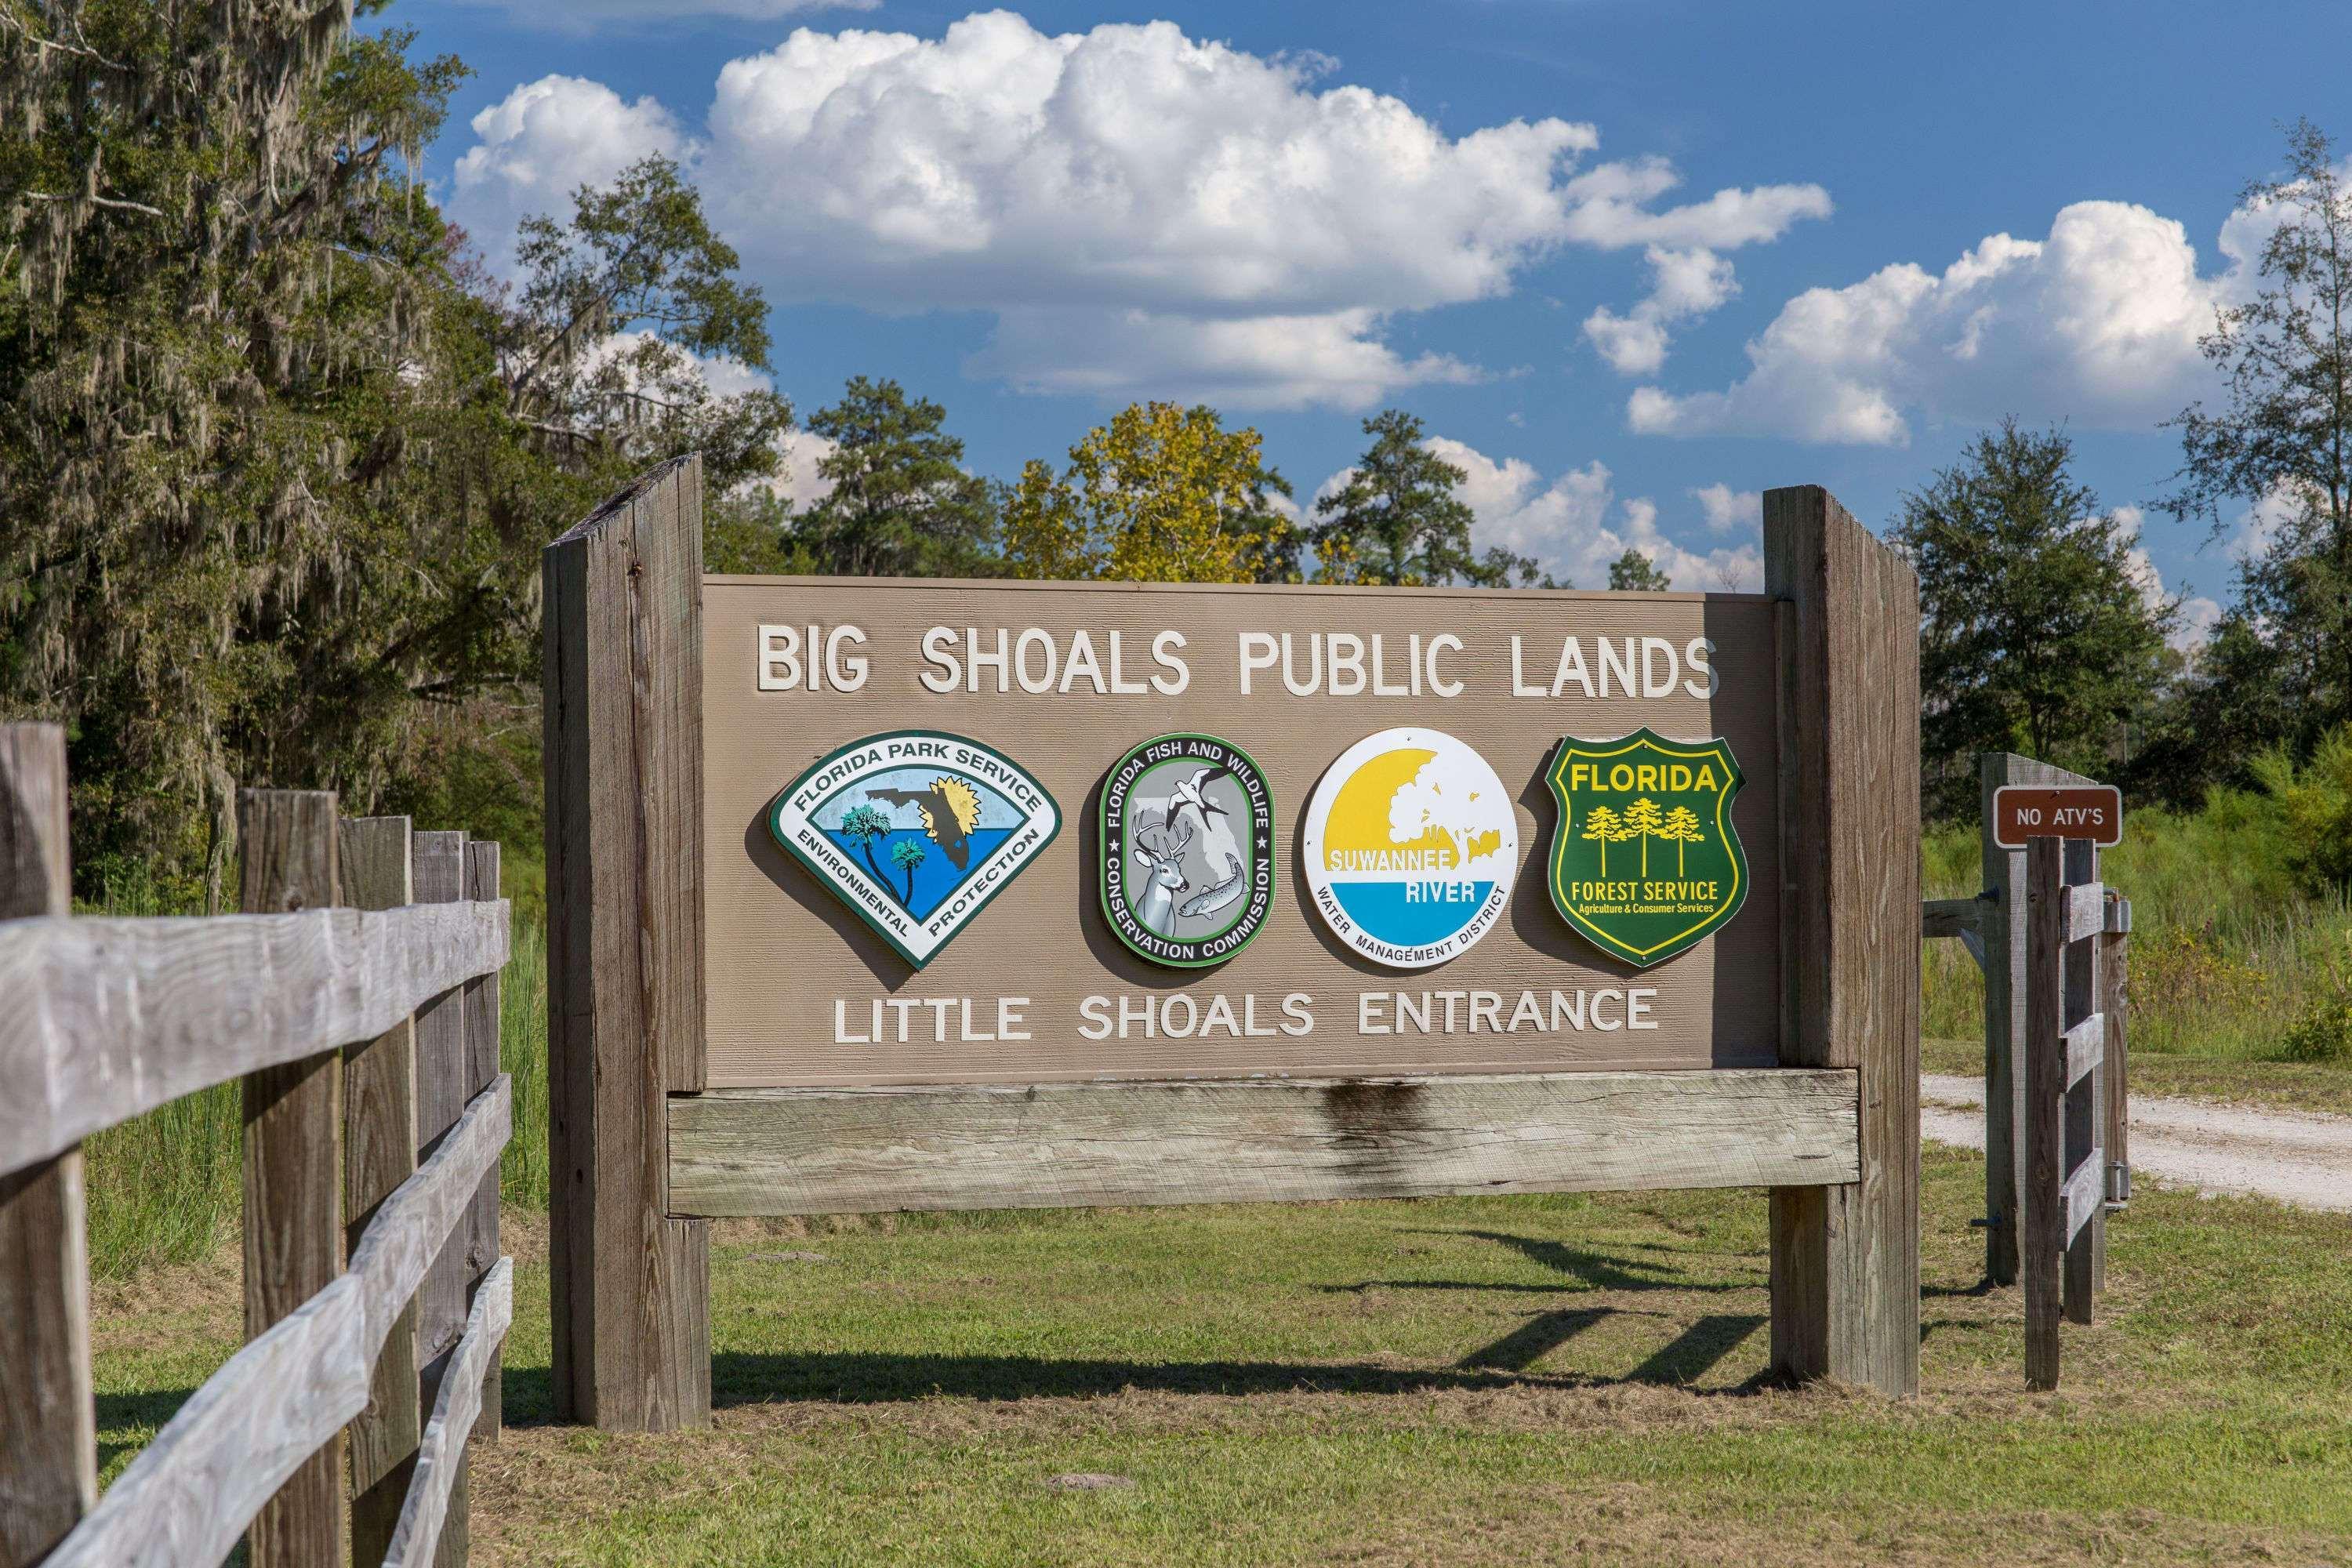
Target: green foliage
2314	807
1634	572
276	458
901	503
2280	666
1160	494
1397	520
2035	635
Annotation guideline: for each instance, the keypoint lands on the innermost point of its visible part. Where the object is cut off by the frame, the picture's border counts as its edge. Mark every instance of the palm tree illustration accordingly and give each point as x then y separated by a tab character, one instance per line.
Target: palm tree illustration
865	825
1604	827
908	854
1643	817
1681	830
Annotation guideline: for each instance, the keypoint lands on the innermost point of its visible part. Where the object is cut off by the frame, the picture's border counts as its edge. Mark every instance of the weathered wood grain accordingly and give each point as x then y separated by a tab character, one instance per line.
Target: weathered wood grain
431	1505
109	1019
2004	971
415	1223
811	1150
2084	1134
444	1063
2115	1002
1947	916
379	1154
1845	1259
283	1397
2085	1047
253	1423
2085	1191
293	1230
48	1460
621	700
2086	910
2042	1237
482	1251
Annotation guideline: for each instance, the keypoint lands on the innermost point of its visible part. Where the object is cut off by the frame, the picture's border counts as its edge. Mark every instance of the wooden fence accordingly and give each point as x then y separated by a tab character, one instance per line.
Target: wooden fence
356	999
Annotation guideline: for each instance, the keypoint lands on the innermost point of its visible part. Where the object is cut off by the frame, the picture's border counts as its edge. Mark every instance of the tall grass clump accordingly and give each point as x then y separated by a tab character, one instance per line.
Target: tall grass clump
2241	941
522	1055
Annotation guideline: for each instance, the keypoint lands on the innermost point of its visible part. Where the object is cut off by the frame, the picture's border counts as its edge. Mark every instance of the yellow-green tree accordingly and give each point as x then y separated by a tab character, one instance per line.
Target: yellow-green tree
1681	830
1161	494
1604	827
1642	818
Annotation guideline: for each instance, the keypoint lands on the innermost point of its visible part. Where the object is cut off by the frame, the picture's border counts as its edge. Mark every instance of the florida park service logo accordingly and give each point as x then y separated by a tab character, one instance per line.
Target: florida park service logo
1187	838
916	830
1411	848
1645	861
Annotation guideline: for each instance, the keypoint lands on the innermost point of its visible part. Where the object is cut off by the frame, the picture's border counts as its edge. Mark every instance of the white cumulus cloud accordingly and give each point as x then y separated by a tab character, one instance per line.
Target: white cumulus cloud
2097	322
1684	285
542	142
1574	525
1727	510
1143	213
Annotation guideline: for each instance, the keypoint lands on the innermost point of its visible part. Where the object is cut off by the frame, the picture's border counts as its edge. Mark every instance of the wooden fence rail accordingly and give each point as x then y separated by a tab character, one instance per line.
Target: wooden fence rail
109	1019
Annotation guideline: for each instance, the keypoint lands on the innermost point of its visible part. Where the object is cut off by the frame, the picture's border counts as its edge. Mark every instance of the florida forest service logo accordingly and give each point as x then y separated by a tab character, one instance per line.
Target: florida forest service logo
1645	861
1187	841
1411	846
916	830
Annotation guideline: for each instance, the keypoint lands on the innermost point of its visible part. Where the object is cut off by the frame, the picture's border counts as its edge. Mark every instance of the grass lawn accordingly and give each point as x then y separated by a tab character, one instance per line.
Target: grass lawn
1510	1380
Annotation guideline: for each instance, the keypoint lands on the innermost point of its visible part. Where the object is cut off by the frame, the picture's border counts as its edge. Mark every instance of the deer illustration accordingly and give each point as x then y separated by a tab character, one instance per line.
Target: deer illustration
1161	856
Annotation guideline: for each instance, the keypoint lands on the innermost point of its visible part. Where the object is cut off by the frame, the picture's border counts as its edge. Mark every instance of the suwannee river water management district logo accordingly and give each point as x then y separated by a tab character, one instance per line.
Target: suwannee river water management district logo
1411	846
1644	861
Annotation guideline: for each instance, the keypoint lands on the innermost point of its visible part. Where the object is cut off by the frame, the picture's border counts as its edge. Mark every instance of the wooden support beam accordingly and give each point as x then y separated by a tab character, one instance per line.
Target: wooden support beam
2084	1192
2085	1047
1845	1259
2086	1136
379	1154
444	1082
623	708
293	1162
48	1460
796	1152
2043	1241
482	1252
111	1018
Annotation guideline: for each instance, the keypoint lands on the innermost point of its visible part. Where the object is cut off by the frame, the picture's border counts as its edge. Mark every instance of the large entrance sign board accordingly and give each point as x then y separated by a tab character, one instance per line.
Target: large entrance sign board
873	895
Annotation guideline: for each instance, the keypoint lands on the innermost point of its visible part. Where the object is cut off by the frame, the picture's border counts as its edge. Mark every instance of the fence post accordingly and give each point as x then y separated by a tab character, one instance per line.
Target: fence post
2086	1130
293	1161
623	707
2044	1233
438	873
2115	986
481	1070
48	1460
378	1153
1845	1259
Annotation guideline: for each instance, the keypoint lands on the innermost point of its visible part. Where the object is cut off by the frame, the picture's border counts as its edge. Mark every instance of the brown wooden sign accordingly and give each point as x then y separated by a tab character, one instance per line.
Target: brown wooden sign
812	975
884	894
2023	812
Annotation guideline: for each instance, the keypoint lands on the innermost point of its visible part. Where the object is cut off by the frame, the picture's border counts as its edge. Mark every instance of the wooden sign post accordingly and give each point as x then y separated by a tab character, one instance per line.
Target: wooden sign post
896	894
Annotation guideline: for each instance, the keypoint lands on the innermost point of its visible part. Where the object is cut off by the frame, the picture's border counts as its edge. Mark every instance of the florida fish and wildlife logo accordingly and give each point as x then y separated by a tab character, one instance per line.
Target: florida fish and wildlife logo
1187	840
916	830
1645	861
1411	846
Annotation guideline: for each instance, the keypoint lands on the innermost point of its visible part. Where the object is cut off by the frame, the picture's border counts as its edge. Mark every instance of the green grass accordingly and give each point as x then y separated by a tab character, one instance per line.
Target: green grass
165	1187
2227	956
1490	1380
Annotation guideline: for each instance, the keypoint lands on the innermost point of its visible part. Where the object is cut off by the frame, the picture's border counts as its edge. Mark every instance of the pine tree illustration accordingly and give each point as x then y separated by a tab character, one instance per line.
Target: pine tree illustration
1604	827
1681	830
1643	817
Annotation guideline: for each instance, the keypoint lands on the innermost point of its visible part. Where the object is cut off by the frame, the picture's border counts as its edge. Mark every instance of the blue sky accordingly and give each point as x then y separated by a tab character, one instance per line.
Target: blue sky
1307	212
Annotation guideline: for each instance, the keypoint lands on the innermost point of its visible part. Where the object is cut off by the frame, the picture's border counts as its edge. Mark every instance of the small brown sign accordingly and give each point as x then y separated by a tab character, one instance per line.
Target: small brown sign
2021	812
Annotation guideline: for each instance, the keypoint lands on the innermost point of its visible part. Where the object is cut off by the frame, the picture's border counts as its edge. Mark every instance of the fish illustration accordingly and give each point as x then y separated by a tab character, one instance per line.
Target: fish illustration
950	810
1217	895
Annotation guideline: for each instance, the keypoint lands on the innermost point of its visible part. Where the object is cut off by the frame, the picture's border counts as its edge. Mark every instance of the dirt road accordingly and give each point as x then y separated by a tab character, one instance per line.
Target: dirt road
2298	1157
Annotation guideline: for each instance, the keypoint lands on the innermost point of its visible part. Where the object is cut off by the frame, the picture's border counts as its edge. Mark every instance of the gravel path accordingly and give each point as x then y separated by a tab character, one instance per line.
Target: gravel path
2298	1157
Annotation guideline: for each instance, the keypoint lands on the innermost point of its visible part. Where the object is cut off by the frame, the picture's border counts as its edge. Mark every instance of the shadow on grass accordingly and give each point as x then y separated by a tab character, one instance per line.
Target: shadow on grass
143	1413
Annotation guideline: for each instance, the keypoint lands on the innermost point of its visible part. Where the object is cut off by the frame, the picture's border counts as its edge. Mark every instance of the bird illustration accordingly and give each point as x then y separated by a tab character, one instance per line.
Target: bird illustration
949	809
1194	794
